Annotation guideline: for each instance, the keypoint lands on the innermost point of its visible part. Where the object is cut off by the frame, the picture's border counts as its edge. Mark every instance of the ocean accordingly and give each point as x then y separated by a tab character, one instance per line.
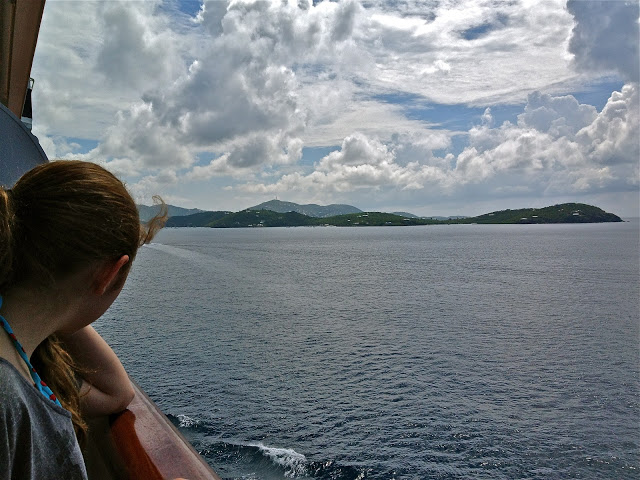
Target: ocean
434	352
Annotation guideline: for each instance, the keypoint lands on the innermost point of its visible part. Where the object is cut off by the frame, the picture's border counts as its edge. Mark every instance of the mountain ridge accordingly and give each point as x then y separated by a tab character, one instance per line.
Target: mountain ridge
147	212
561	213
310	209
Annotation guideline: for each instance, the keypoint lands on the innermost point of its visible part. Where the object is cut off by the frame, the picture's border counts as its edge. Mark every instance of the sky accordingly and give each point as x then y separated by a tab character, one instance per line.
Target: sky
433	107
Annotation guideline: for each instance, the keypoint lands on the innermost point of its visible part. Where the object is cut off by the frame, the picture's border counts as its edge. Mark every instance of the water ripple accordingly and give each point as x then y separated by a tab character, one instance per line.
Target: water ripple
421	353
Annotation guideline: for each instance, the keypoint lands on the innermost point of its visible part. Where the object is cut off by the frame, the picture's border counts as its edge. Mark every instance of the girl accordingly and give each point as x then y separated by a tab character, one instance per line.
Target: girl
69	231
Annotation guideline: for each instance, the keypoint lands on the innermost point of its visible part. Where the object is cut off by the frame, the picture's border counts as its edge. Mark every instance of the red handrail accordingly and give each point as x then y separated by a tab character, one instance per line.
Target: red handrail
141	443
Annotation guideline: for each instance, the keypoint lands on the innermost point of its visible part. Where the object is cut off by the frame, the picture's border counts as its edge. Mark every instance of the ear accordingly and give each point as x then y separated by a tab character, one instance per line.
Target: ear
107	275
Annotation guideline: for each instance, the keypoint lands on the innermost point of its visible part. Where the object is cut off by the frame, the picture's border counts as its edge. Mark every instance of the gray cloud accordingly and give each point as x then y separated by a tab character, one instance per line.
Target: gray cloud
346	17
605	36
211	15
138	47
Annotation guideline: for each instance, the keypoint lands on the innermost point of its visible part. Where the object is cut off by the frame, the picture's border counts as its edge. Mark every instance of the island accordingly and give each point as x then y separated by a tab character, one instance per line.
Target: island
262	217
563	213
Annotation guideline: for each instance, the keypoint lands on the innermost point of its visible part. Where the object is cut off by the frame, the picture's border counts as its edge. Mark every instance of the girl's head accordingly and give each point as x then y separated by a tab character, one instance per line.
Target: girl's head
61	219
63	216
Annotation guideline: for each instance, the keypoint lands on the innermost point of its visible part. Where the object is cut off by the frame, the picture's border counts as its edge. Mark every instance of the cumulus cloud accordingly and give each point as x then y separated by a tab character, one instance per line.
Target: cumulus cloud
245	155
558	116
612	138
556	146
247	68
361	163
559	144
241	95
357	150
605	37
95	59
211	14
249	84
144	189
138	47
138	136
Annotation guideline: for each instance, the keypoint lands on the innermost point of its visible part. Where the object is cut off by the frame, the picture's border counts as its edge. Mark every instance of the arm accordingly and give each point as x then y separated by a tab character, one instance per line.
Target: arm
105	387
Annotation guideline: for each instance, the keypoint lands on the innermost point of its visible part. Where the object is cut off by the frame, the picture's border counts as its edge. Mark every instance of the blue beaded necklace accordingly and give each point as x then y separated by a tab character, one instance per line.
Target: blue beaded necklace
40	385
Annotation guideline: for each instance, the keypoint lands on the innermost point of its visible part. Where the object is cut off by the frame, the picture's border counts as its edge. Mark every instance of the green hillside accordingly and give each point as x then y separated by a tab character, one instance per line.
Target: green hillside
262	218
373	219
195	220
147	212
564	213
311	209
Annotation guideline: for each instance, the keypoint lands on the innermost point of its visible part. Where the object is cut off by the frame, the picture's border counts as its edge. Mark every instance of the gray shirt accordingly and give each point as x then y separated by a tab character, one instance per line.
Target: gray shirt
37	441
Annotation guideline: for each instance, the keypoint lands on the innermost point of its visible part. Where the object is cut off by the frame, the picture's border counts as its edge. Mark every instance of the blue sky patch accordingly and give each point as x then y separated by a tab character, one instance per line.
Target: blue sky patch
461	117
311	155
85	145
599	94
476	32
189	7
448	117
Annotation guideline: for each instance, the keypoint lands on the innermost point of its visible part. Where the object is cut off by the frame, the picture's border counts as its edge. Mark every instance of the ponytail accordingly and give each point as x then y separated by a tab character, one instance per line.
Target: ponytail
53	362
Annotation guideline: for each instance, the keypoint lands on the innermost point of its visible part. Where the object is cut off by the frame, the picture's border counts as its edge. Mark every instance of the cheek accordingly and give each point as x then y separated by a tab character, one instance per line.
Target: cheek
92	310
119	283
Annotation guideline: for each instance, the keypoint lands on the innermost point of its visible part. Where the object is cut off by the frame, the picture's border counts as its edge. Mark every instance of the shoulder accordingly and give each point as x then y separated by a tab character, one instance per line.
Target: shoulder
15	425
21	403
13	388
15	404
18	392
39	436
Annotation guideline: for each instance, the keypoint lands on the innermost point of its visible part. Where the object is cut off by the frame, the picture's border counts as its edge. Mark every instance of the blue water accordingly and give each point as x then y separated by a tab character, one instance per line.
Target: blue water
438	352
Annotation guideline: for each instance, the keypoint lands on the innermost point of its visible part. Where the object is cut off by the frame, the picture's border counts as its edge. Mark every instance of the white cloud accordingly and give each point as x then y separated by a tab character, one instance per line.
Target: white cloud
430	51
361	163
150	185
245	155
249	84
558	116
271	67
138	136
559	144
55	146
612	139
357	150
555	147
95	58
238	95
327	126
